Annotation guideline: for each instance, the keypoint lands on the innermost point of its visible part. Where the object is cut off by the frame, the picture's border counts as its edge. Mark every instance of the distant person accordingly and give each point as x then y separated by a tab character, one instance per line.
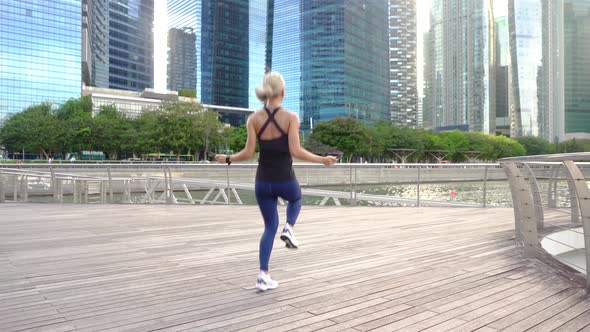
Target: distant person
277	131
20	163
72	159
49	160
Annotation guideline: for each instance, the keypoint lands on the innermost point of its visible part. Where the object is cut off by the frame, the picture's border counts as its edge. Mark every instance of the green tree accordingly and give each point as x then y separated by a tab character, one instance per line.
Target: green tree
176	126
209	128
75	117
535	145
236	137
345	134
34	129
109	131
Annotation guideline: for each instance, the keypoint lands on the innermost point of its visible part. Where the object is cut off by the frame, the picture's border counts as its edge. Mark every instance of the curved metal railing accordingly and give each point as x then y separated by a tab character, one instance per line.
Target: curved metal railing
551	203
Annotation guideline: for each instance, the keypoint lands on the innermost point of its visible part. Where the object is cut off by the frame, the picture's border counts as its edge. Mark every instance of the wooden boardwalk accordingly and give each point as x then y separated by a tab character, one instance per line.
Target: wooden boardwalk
193	268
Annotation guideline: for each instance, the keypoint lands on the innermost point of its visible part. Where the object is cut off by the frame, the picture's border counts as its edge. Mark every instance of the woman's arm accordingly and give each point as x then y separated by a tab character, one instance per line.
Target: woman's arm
300	152
247	152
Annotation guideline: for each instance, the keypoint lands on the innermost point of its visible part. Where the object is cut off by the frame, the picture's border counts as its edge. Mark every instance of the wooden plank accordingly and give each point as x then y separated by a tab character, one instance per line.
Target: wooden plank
187	268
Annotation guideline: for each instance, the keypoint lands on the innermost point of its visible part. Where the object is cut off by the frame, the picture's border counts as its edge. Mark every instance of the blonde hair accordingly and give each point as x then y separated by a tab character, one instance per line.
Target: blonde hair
272	85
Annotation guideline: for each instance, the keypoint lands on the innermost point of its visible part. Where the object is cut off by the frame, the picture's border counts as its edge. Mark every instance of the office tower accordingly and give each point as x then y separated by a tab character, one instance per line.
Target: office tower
224	52
40	53
402	63
131	44
427	104
462	79
182	59
536	68
95	42
334	56
183	37
284	48
502	78
257	48
577	66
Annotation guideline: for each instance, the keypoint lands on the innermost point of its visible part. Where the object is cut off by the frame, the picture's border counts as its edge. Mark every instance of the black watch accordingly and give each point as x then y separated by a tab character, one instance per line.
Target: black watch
227	159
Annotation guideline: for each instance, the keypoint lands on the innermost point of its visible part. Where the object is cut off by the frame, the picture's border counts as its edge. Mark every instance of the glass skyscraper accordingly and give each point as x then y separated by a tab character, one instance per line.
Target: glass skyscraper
40	53
95	42
182	59
224	52
257	34
286	49
131	44
402	63
183	42
536	69
334	57
577	66
461	89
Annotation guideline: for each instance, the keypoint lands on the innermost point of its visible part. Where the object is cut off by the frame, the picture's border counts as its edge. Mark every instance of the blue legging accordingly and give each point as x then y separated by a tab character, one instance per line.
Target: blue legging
266	196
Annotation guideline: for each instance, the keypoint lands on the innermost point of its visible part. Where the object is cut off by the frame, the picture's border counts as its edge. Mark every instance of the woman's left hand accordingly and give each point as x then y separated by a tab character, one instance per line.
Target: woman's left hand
220	158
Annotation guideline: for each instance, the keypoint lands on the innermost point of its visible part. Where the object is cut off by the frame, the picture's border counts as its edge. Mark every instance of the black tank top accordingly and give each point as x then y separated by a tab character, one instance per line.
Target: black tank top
275	162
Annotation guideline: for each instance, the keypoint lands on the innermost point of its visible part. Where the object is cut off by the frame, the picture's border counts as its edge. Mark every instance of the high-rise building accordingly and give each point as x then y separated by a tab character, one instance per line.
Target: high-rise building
462	79
502	81
577	66
182	59
402	63
40	53
257	48
183	44
427	94
131	44
284	47
536	68
95	42
334	57
224	52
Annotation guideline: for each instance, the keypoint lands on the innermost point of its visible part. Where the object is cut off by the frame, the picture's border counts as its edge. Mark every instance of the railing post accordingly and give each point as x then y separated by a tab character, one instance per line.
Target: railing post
110	184
352	187
582	196
485	186
524	223
418	187
537	201
227	179
24	188
2	194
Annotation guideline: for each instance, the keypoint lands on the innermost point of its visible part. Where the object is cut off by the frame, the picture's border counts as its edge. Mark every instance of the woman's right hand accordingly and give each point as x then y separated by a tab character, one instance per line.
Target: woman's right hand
329	160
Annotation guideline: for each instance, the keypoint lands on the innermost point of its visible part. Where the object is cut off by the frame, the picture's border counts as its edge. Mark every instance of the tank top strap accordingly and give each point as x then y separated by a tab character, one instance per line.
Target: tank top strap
271	118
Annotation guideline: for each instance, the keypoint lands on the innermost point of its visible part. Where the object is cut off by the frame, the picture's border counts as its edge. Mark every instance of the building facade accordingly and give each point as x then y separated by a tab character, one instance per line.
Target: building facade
461	89
182	59
183	45
334	57
40	53
402	63
536	68
95	42
131	44
577	66
224	52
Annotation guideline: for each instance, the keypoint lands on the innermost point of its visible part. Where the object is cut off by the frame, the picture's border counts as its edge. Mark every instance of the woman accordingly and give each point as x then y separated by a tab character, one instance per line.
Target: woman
277	131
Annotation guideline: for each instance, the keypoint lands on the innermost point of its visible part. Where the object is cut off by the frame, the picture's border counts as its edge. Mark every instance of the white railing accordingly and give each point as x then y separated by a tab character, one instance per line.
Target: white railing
182	183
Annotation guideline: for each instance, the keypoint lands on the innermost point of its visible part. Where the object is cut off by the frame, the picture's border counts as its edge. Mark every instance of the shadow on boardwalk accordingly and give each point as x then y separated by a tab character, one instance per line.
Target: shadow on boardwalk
193	268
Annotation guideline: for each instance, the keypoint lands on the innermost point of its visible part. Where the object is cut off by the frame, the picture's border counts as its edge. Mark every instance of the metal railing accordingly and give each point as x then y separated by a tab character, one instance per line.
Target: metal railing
551	203
372	184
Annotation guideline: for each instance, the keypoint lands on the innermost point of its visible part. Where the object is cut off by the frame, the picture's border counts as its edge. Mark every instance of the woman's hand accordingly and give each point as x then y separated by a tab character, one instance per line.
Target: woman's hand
220	158
329	160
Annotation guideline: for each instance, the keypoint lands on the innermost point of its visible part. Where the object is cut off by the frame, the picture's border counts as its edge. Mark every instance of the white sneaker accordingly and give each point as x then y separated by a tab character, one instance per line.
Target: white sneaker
289	238
264	282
